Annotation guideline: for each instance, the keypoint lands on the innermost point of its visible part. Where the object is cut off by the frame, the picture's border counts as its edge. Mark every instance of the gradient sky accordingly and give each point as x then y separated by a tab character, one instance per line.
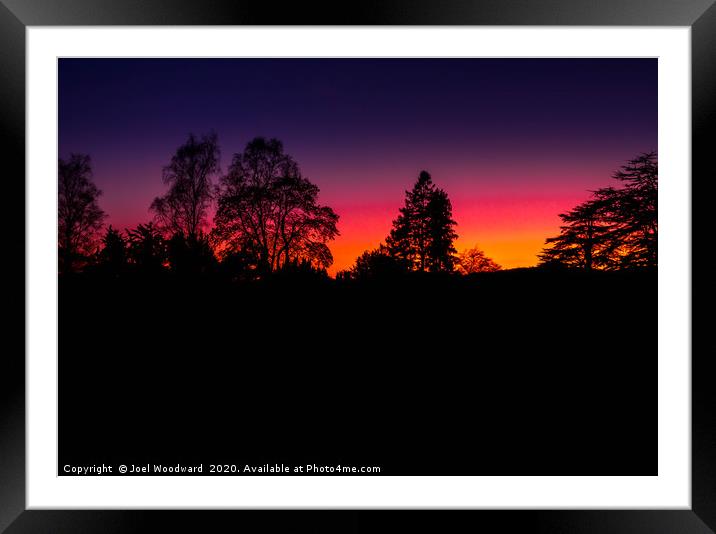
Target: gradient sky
514	142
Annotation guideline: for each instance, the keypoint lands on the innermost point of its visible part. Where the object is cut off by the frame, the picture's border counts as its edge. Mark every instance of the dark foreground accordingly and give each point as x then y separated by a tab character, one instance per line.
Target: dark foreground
522	372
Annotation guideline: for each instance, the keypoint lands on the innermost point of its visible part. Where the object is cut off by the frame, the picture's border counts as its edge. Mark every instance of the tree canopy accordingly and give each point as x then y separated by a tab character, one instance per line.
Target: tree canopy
268	210
376	264
616	228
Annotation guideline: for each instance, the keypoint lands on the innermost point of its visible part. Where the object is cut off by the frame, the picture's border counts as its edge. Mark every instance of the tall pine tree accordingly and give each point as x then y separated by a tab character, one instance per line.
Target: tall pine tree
423	234
441	233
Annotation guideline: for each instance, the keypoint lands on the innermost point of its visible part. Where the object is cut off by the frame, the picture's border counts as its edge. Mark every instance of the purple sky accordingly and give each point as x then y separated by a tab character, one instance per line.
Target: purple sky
512	141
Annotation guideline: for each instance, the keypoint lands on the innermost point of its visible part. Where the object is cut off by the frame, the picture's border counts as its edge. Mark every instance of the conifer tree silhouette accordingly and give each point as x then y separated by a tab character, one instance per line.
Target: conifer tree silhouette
423	233
113	256
616	228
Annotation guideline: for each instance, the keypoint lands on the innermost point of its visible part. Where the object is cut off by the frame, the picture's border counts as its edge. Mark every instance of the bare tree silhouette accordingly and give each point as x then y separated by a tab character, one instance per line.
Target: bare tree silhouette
268	210
474	260
79	215
182	210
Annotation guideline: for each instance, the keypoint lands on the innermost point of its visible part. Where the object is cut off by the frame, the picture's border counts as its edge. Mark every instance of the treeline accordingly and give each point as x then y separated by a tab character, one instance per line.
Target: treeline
267	220
267	216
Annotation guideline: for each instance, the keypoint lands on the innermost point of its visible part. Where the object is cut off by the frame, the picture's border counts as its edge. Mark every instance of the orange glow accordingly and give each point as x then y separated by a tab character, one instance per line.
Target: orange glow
511	231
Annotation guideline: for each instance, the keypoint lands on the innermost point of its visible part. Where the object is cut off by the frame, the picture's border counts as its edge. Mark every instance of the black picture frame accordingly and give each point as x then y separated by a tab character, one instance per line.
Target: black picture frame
699	15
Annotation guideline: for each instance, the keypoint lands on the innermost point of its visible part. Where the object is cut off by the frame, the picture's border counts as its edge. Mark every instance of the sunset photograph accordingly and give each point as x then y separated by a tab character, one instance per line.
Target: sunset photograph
358	266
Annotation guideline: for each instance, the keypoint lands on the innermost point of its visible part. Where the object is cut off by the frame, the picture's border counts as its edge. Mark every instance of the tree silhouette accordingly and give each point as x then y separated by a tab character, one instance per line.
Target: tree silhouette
474	260
376	264
582	240
268	210
423	233
632	211
441	233
182	210
146	248
615	228
190	255
113	256
79	215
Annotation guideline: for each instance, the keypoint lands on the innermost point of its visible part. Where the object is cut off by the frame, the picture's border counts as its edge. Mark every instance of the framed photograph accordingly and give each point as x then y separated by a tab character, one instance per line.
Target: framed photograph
420	257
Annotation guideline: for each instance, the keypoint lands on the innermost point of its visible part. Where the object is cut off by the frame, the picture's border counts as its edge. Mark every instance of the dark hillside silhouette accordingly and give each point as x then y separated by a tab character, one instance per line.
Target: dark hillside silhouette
501	373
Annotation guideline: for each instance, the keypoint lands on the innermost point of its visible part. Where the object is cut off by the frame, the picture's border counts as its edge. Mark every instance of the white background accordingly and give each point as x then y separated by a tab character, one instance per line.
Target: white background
671	488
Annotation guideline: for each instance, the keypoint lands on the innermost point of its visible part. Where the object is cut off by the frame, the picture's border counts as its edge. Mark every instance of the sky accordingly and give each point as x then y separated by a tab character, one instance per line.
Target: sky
514	142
